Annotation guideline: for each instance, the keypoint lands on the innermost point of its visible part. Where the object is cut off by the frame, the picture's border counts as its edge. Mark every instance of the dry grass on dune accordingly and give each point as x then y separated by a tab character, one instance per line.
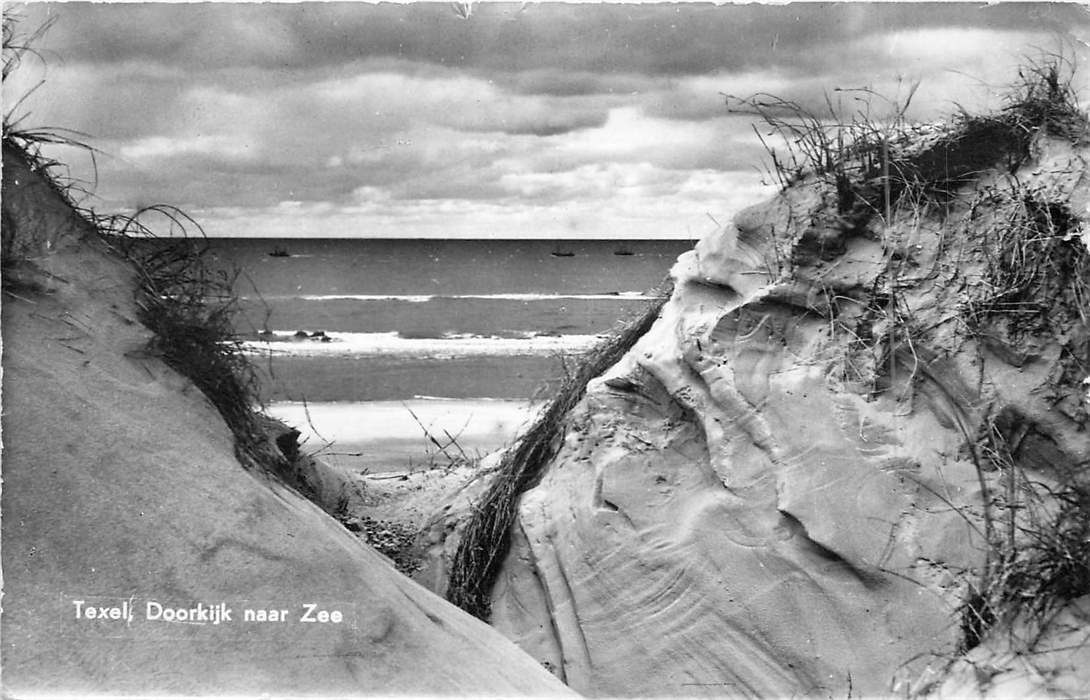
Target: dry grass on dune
185	303
1035	285
1035	282
487	537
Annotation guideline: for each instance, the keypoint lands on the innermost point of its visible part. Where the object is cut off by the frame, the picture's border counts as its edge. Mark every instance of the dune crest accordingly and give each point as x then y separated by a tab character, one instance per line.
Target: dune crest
789	484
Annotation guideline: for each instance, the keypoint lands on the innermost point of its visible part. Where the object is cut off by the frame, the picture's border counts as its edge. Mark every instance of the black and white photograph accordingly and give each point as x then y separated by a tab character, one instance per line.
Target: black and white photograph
556	349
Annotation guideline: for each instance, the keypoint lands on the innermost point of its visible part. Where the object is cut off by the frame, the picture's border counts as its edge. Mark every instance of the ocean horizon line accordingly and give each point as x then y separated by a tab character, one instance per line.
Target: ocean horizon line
424	298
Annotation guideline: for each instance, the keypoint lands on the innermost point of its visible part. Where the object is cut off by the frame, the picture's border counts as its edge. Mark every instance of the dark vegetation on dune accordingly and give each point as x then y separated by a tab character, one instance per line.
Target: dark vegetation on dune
1036	284
487	537
186	303
190	307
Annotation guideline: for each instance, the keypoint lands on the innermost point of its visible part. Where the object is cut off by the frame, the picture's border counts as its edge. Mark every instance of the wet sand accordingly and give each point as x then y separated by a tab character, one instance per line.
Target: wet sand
384	436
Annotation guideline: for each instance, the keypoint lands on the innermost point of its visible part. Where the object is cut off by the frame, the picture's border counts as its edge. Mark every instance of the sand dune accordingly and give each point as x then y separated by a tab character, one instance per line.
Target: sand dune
784	487
140	558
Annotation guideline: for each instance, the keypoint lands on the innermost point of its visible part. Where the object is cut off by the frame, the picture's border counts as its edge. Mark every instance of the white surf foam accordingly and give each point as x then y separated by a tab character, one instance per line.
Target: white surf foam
372	344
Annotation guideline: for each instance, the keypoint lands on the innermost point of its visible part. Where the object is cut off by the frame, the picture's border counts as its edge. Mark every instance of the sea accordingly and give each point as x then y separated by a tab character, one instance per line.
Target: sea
392	355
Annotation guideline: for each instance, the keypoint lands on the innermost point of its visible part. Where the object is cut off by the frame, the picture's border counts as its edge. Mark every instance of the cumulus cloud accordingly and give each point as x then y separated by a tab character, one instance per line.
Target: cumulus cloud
161	147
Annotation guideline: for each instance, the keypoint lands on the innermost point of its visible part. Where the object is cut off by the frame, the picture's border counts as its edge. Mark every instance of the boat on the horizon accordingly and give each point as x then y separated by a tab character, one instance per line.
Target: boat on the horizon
279	252
559	252
623	250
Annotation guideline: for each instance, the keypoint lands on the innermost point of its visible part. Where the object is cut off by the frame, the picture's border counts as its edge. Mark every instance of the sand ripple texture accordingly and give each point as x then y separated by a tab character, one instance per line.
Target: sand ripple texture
762	508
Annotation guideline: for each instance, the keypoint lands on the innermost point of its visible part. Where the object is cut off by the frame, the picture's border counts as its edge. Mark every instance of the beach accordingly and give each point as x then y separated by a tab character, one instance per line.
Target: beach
368	346
391	436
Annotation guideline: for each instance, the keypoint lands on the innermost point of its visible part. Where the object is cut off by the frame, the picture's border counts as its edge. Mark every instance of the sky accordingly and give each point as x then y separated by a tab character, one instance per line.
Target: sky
507	120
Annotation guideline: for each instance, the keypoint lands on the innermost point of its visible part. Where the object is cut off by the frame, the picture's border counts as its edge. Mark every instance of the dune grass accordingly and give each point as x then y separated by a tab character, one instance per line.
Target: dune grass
186	304
179	296
1036	269
191	308
487	538
874	158
875	164
1034	283
1039	551
29	144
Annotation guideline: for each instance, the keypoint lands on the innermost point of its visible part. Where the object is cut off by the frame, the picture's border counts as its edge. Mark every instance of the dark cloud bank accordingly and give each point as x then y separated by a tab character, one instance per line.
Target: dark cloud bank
411	110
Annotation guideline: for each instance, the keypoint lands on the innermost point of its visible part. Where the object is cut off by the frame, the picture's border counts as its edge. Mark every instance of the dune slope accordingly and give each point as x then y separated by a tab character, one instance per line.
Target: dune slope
122	492
789	483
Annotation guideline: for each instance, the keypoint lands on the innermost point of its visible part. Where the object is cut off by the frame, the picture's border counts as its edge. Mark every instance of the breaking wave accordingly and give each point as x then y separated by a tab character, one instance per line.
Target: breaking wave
451	345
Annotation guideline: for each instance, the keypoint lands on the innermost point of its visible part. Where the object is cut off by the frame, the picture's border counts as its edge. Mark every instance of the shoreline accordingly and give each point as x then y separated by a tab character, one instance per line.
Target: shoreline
383	437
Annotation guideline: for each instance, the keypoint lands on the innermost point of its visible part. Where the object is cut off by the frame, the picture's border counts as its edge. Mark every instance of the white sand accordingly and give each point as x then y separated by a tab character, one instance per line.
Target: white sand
383	436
